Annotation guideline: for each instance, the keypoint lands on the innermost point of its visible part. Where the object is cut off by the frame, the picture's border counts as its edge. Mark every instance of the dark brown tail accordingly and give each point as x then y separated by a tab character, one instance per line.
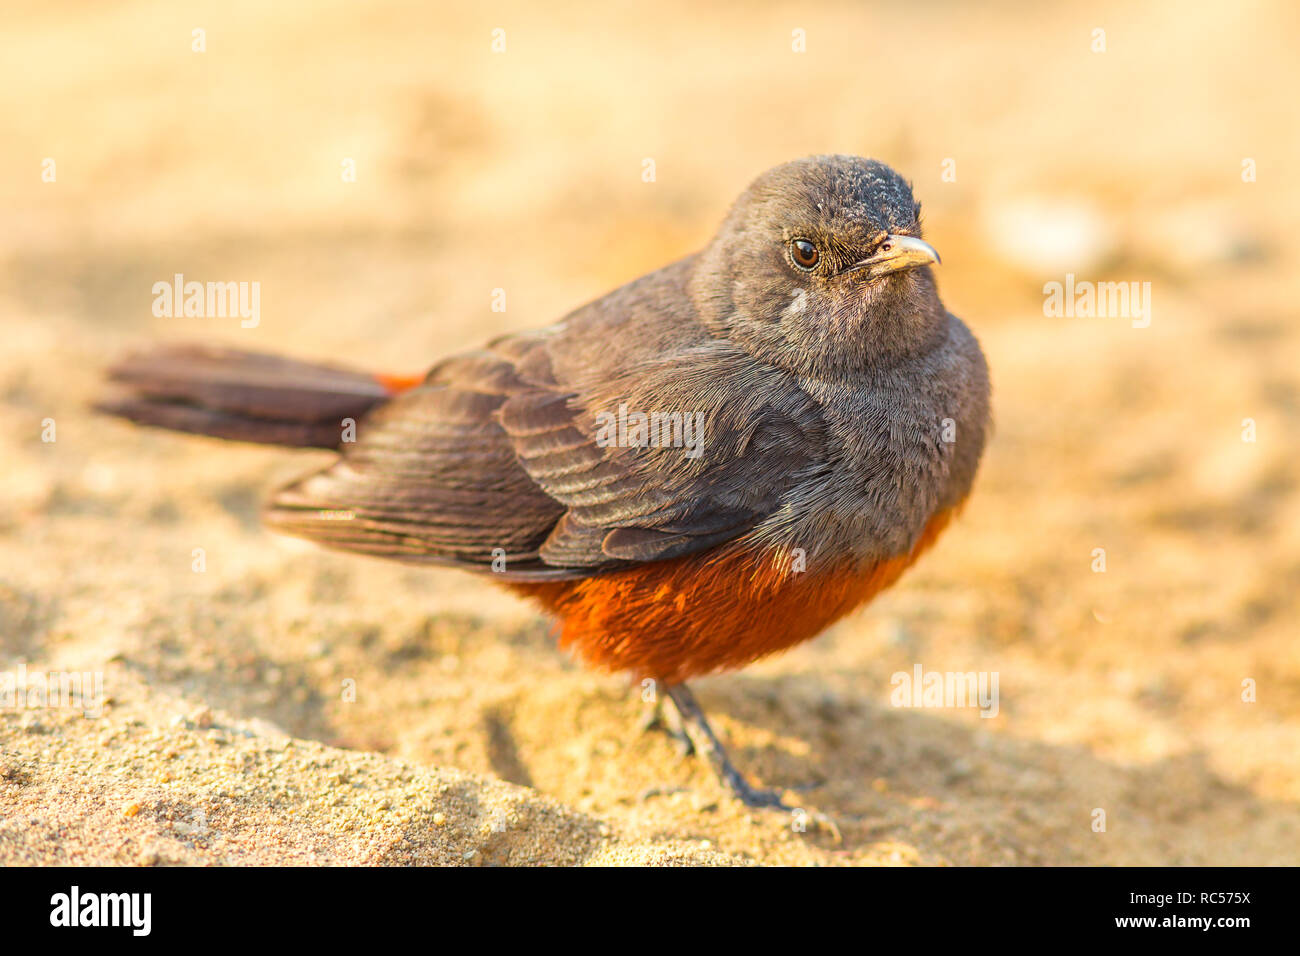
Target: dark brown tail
243	396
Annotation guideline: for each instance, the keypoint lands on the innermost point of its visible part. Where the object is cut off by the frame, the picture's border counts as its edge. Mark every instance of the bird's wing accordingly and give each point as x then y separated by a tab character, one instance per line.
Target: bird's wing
431	477
718	450
514	453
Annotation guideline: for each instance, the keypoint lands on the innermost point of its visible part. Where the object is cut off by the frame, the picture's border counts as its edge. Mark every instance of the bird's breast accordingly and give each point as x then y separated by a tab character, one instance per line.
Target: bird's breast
716	610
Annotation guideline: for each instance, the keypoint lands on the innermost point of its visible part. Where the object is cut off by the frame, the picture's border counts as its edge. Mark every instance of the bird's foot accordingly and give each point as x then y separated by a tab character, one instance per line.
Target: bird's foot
695	726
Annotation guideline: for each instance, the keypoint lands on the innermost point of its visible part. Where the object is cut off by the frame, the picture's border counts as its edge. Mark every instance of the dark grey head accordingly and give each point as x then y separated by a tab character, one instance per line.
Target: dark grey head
820	267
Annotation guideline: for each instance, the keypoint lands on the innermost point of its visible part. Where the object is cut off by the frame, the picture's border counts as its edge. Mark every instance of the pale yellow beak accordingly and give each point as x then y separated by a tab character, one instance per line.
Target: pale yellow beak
897	253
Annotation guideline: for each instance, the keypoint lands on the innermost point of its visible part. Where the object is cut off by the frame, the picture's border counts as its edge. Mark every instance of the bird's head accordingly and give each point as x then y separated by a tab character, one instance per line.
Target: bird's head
820	267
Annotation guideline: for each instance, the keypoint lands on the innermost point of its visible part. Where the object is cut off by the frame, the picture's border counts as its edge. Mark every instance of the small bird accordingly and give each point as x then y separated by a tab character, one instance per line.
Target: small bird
707	465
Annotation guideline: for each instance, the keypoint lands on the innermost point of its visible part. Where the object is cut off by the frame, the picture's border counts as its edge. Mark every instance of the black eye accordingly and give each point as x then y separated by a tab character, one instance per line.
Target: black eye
804	253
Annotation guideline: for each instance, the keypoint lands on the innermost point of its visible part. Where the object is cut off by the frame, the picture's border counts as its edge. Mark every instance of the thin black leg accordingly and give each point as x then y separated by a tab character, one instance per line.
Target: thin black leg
707	745
655	716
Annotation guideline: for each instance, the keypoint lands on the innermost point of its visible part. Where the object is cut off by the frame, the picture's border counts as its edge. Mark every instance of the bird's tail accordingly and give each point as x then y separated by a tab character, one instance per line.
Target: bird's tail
244	396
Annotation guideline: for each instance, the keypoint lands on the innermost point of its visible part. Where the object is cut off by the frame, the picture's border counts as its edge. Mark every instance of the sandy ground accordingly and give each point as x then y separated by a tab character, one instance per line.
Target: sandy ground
291	706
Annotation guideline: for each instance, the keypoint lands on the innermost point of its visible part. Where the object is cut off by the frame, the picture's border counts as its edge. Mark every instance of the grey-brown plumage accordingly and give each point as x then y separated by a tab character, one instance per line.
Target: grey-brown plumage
243	396
823	396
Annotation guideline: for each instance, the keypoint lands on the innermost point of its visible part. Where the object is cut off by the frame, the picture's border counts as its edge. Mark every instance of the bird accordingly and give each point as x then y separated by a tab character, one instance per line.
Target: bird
711	463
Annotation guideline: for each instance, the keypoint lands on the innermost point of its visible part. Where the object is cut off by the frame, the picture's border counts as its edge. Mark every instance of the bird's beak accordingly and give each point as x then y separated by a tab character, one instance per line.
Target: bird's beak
895	254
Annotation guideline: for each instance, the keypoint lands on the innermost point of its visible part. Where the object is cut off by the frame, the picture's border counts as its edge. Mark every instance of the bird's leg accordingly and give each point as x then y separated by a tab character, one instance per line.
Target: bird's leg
655	716
707	745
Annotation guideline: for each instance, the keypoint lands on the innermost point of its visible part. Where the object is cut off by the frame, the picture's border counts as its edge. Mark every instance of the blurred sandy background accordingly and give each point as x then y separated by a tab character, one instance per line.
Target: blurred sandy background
226	739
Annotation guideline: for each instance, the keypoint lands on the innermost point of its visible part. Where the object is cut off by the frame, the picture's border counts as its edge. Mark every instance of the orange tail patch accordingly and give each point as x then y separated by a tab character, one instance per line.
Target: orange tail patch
398	383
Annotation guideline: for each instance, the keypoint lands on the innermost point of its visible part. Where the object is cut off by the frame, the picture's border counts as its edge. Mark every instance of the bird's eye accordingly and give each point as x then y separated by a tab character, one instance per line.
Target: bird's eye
804	253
